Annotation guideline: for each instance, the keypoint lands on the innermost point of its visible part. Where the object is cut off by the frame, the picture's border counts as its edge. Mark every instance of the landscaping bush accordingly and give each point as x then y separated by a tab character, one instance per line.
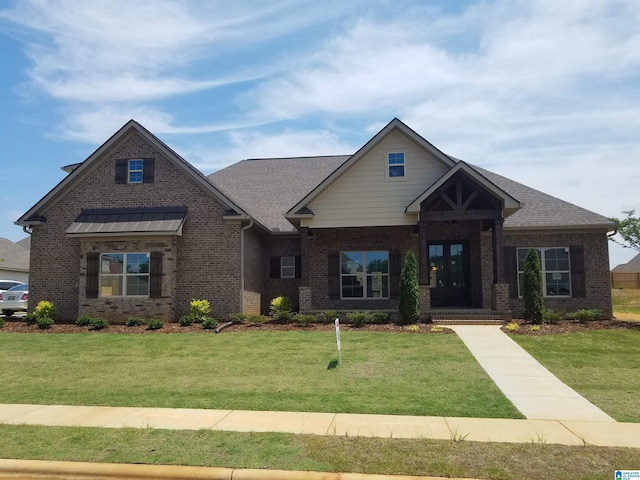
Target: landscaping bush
304	320
46	308
512	326
408	306
154	324
330	316
284	316
30	319
209	323
44	322
380	317
134	322
549	316
84	320
280	304
238	317
587	315
532	286
185	320
2	321
98	323
358	319
257	318
199	310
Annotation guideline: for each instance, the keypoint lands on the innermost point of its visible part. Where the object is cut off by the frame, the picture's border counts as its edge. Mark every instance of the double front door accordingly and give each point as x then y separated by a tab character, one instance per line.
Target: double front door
449	274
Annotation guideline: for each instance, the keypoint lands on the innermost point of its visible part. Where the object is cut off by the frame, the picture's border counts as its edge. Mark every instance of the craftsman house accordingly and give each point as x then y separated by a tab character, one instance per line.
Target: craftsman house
136	230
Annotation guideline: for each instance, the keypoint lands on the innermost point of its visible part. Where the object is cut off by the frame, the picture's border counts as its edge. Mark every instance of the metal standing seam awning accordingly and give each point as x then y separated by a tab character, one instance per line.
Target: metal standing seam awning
128	221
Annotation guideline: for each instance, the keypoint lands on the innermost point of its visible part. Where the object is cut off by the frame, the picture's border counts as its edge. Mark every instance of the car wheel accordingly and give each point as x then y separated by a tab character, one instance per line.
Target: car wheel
8	313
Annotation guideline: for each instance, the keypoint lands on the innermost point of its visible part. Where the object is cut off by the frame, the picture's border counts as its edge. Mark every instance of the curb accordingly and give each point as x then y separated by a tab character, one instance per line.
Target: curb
49	470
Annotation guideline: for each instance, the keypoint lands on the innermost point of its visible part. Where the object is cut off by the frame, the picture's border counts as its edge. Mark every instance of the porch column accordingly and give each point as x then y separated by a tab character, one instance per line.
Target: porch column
423	255
497	239
304	256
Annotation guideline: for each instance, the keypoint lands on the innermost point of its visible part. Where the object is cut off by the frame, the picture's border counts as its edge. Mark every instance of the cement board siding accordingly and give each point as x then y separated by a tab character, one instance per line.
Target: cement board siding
363	196
208	251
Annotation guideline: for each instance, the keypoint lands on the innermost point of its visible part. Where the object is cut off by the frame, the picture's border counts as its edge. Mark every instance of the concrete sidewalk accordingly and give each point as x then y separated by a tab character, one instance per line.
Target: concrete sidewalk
567	432
535	391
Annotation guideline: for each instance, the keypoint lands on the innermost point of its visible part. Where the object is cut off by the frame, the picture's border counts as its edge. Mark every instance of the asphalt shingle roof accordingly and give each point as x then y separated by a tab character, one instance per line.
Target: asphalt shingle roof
13	256
632	265
268	188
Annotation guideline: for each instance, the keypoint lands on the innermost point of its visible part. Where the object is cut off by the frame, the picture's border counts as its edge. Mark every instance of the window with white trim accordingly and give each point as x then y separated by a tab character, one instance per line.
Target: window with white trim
287	267
556	270
124	275
136	167
396	167
364	274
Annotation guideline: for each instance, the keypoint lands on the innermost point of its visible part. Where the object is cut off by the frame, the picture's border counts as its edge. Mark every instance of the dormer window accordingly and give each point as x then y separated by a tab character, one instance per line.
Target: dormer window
135	171
396	165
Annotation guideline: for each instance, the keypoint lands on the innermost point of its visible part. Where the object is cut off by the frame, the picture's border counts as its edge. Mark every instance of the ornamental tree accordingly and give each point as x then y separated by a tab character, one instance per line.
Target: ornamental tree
409	293
532	287
629	229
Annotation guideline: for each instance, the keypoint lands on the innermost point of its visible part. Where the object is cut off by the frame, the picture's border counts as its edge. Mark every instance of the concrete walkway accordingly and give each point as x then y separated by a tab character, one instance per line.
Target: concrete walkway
567	432
535	391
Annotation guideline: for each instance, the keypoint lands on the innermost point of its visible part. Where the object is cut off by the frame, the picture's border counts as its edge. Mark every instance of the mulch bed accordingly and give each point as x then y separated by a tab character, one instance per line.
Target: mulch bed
16	325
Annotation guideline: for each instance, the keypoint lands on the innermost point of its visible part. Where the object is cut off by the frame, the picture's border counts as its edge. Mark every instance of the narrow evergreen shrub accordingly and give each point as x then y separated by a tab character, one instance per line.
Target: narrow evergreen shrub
408	306
532	288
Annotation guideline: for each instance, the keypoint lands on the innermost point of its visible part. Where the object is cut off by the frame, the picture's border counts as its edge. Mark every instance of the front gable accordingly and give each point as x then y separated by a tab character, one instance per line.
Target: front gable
376	184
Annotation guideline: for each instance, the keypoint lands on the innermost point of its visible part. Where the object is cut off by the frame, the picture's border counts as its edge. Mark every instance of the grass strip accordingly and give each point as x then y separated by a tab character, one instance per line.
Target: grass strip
308	452
600	365
625	301
382	373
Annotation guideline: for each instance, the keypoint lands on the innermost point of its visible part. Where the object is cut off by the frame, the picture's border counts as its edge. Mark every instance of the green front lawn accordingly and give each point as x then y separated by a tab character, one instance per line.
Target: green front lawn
383	373
603	366
625	301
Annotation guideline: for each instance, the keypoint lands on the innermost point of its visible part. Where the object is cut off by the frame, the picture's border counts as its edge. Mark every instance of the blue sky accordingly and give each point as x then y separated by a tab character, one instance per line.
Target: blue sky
545	92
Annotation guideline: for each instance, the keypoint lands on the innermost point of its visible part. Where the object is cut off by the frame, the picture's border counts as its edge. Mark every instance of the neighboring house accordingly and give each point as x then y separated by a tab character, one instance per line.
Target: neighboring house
14	261
632	266
136	230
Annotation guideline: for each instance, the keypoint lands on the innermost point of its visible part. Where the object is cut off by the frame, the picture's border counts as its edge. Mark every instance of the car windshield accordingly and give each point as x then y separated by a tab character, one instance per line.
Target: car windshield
19	288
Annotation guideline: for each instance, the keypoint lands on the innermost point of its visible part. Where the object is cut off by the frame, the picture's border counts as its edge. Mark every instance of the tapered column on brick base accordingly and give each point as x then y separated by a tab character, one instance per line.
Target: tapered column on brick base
500	298
304	299
424	302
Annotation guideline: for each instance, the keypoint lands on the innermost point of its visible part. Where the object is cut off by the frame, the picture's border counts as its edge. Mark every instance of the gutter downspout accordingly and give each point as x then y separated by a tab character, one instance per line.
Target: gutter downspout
242	264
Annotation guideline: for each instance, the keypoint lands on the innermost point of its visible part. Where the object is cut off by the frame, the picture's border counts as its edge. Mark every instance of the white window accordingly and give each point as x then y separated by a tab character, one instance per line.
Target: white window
556	270
396	167
124	275
364	274
135	171
288	267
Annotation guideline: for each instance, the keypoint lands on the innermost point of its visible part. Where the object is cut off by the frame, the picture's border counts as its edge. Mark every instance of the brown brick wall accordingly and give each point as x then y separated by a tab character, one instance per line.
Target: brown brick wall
280	246
254	274
324	241
208	250
596	259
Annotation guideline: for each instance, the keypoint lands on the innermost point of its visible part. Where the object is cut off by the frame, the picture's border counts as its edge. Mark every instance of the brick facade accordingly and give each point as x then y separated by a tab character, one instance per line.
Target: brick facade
280	246
208	253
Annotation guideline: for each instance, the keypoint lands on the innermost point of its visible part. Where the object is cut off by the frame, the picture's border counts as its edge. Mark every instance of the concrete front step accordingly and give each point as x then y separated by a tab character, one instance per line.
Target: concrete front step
468	316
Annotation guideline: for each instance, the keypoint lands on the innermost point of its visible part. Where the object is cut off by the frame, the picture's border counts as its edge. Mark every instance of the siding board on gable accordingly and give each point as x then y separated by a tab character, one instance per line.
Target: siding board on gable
363	196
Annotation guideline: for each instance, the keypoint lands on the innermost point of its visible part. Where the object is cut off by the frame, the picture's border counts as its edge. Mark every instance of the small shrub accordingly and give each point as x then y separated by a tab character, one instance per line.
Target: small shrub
98	323
587	315
134	322
330	316
185	320
257	318
199	310
44	322
155	324
2	322
280	304
381	317
30	319
209	323
84	320
239	317
283	316
46	308
412	328
358	319
436	329
535	328
512	326
304	320
549	316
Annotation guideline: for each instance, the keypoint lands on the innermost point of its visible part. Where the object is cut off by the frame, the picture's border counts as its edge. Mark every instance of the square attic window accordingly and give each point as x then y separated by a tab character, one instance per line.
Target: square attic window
395	165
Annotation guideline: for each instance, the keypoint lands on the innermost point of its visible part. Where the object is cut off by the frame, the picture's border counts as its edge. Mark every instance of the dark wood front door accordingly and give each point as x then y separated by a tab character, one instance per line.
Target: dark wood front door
449	274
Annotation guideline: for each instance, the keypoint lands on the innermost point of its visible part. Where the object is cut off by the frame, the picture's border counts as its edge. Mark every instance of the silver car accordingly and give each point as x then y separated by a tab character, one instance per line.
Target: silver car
14	300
